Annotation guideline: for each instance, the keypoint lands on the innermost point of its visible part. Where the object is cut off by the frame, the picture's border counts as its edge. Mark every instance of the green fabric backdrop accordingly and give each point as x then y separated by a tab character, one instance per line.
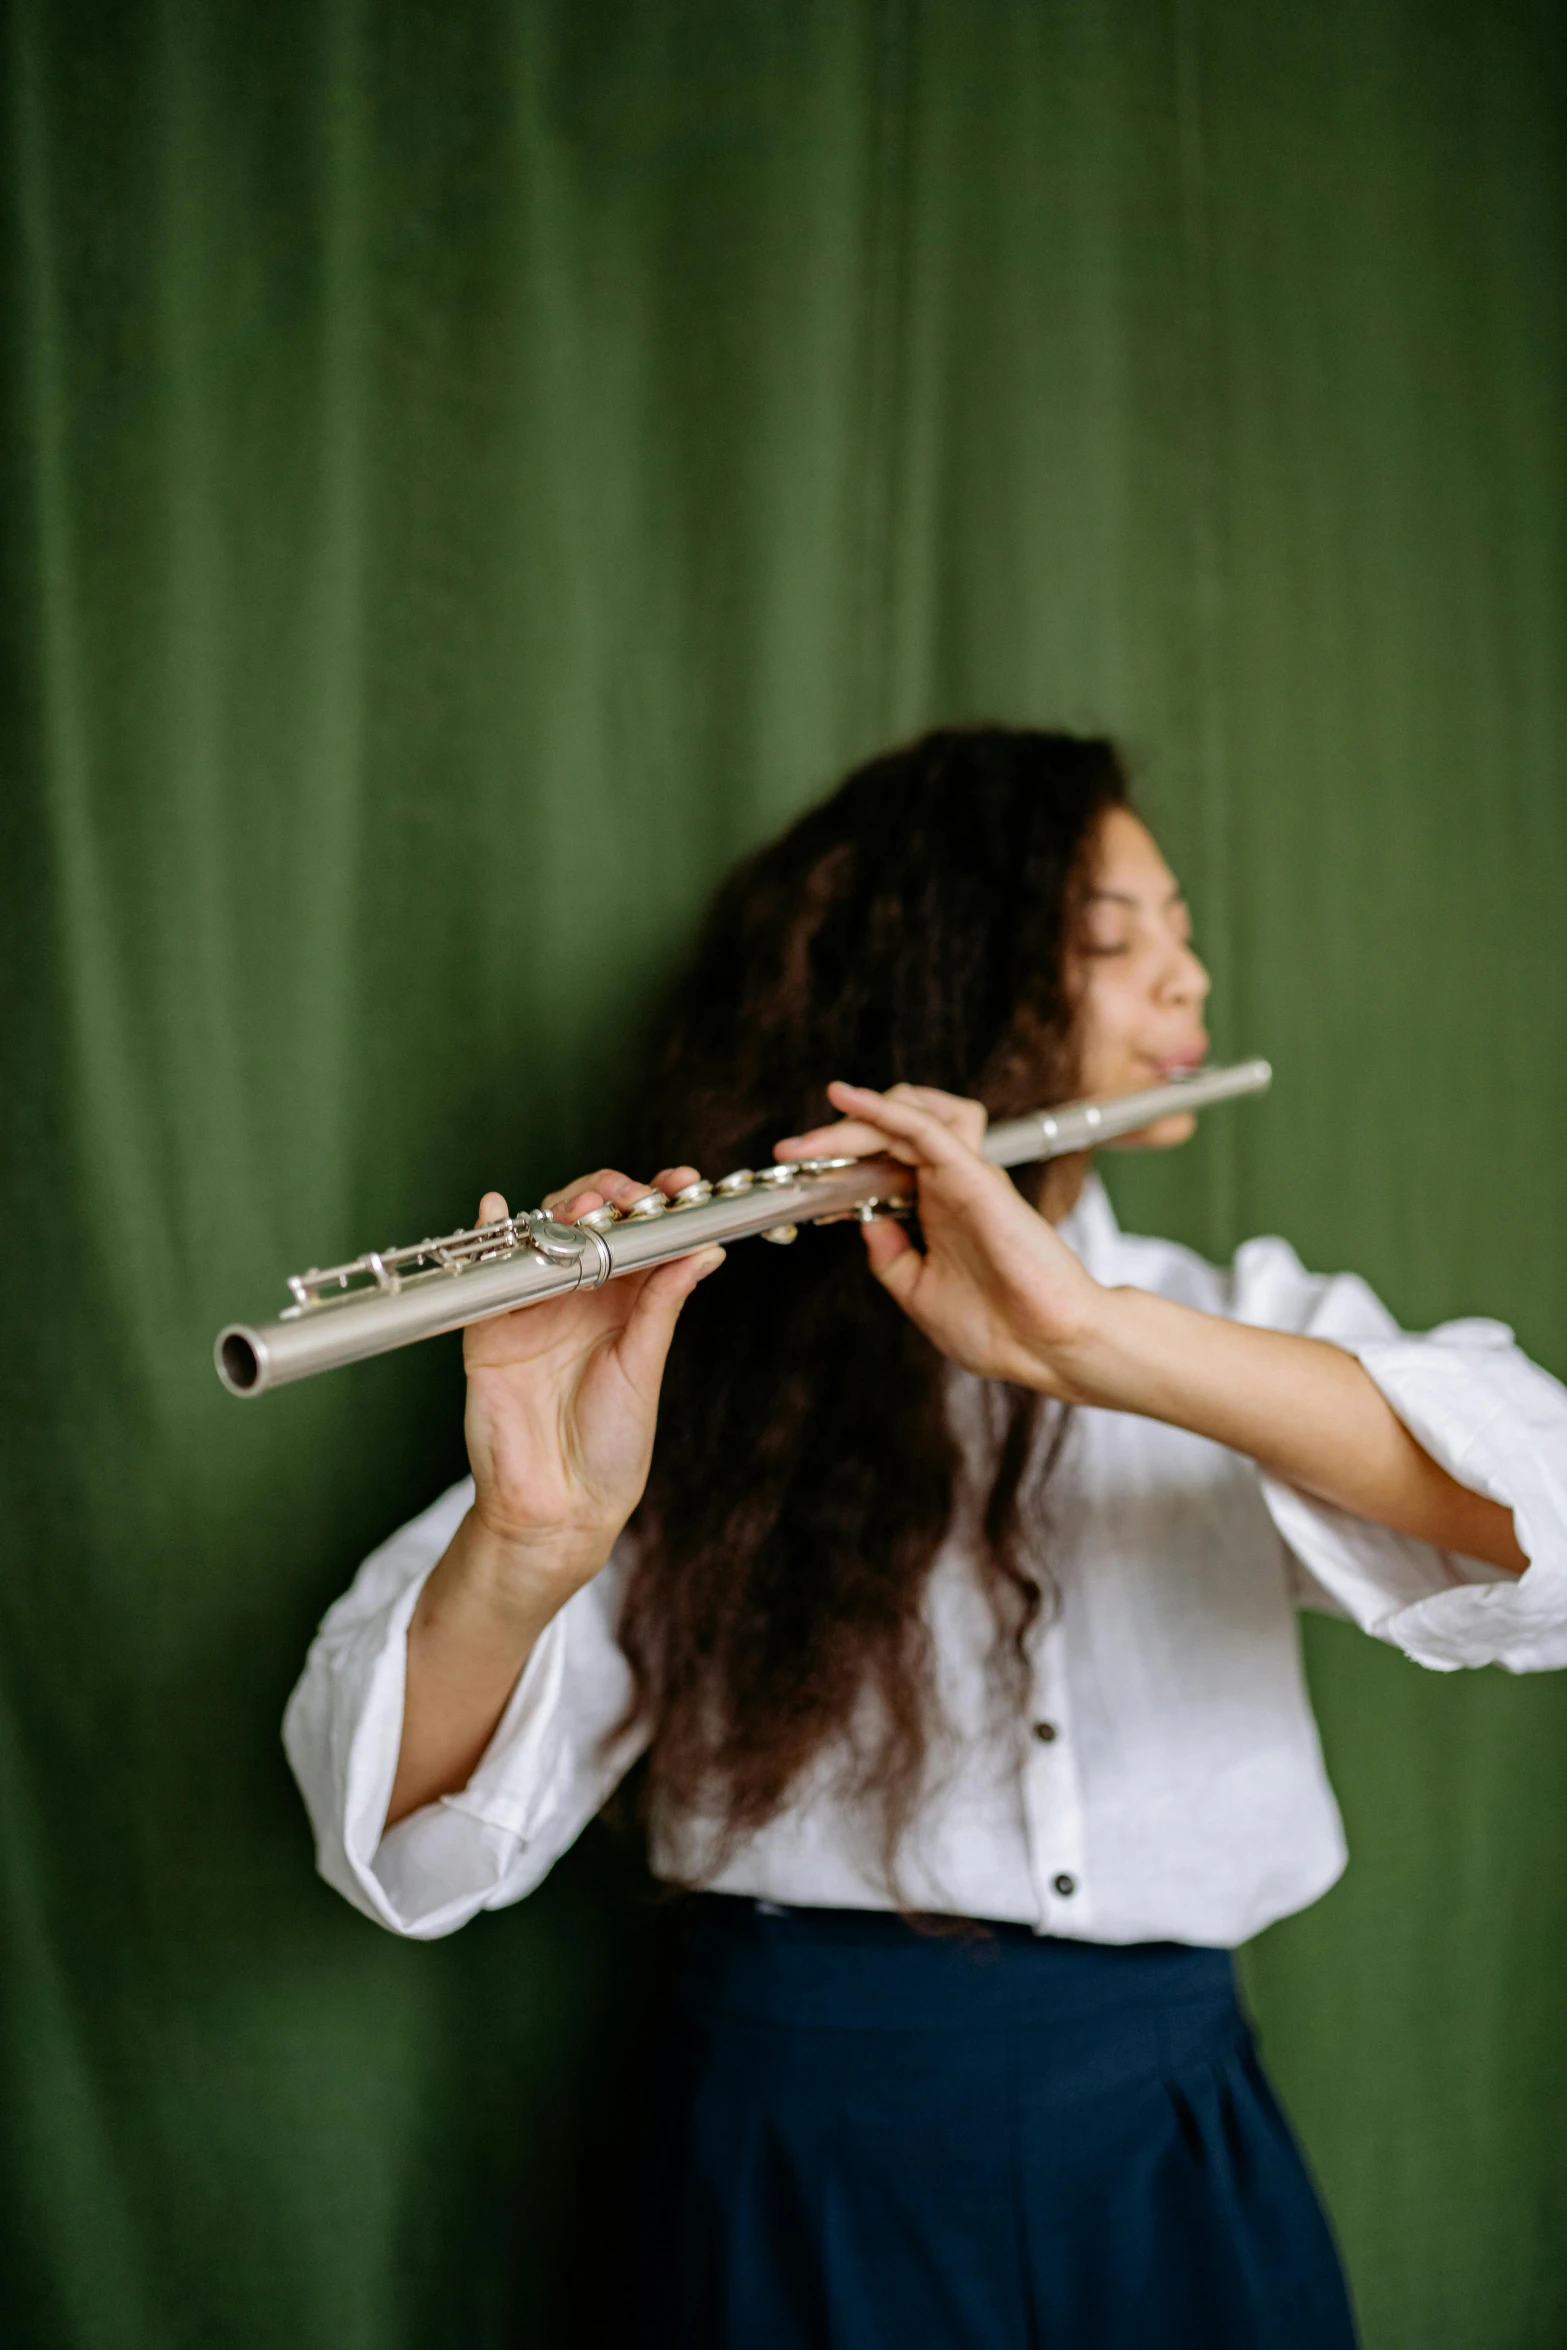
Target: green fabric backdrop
469	469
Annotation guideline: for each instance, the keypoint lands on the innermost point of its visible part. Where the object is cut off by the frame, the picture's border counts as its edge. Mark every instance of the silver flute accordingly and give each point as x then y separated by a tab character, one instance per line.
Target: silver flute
390	1297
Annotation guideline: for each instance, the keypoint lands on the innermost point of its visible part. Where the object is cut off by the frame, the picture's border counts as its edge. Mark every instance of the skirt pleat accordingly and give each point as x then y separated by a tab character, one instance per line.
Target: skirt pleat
880	2138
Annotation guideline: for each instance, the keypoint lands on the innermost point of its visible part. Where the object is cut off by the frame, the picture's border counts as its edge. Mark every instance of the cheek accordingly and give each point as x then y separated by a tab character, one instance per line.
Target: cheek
1108	1013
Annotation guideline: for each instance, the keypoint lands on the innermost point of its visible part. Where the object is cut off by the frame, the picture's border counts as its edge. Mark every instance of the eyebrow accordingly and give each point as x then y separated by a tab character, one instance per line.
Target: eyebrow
1121	897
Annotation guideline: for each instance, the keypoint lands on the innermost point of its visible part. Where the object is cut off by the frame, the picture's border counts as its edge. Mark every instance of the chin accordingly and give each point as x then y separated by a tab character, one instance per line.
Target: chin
1162	1135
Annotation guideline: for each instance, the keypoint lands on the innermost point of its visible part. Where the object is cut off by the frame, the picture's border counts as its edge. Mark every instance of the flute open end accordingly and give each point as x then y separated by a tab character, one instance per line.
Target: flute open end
241	1361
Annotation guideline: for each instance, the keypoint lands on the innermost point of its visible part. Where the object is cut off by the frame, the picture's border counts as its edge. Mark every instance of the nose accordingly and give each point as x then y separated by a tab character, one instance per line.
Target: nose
1187	980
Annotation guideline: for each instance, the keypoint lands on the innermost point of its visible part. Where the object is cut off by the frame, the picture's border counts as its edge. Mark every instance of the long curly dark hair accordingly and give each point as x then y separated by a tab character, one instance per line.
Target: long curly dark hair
912	927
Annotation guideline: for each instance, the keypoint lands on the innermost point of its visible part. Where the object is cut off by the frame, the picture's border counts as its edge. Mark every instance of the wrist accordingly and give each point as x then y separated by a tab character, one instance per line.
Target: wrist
1092	1361
518	1576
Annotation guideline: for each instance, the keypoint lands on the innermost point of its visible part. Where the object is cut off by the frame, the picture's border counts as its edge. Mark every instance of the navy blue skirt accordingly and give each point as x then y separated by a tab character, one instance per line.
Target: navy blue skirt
885	2139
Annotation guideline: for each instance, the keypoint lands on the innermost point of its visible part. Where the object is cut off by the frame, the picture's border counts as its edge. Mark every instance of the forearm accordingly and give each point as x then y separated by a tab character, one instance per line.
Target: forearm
477	1622
997	1291
1303	1409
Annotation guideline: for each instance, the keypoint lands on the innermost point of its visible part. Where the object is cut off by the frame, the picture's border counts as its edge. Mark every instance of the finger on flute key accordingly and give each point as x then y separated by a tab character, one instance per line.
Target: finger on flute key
592	1191
847	1138
922	1131
612	1184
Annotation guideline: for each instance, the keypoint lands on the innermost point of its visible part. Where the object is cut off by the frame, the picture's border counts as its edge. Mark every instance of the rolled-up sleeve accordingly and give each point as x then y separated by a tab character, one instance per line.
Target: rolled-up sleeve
553	1760
1494	1420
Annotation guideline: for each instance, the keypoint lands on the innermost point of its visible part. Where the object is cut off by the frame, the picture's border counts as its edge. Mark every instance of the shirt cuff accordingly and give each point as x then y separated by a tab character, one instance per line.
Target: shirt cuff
474	1849
1497	1423
435	1869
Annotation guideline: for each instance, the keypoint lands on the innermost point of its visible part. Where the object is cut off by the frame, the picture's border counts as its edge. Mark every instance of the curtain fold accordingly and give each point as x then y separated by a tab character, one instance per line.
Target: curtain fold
470	471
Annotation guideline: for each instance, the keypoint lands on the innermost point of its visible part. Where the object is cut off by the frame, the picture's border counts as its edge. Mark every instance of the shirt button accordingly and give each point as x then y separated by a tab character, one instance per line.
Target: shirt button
1066	1886
1045	1732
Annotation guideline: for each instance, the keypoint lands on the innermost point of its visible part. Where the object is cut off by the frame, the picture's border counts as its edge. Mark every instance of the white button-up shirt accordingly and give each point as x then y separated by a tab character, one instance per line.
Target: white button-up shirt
1165	1780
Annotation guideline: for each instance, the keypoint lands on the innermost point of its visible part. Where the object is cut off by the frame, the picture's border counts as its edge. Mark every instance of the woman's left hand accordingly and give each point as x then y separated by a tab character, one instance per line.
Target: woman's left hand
999	1291
995	1287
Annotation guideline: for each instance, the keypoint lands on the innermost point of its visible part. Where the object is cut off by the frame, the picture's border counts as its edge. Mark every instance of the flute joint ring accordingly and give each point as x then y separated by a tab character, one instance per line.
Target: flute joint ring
597	1263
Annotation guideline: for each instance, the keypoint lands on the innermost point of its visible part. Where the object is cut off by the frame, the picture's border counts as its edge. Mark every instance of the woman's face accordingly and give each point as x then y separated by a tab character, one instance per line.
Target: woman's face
1139	986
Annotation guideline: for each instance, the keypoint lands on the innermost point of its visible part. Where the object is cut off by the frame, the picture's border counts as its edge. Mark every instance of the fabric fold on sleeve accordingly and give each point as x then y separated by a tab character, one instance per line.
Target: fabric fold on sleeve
1498	1423
1495	1420
546	1771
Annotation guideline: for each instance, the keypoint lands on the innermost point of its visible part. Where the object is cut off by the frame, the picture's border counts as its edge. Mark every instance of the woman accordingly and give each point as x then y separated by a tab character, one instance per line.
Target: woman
952	1609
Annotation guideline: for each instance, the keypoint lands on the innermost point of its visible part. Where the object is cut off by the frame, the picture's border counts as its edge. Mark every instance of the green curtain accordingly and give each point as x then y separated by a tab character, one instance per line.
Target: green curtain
471	467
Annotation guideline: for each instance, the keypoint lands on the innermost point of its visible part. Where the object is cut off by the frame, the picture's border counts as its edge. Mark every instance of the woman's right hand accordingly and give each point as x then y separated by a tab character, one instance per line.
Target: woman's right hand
563	1399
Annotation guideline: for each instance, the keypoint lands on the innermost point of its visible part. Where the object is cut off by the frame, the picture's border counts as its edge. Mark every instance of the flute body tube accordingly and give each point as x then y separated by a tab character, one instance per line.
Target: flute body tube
389	1298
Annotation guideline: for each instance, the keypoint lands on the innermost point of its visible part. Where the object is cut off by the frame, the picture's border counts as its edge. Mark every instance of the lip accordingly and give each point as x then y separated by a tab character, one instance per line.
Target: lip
1168	1065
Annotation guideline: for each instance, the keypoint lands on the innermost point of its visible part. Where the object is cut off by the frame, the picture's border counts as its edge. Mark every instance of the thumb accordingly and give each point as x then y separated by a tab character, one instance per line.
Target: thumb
650	1325
893	1258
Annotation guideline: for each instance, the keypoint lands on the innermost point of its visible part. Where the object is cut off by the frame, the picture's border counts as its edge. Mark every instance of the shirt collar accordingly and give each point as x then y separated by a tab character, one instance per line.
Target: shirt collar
1091	1231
